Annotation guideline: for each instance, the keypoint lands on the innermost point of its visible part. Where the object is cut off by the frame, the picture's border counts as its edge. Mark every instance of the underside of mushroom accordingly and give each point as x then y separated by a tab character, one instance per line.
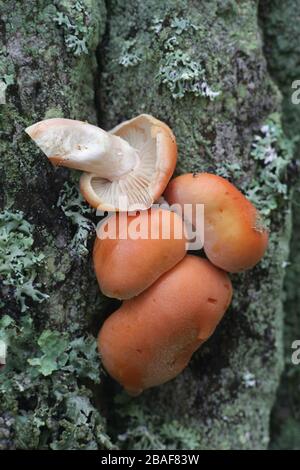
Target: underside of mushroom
127	168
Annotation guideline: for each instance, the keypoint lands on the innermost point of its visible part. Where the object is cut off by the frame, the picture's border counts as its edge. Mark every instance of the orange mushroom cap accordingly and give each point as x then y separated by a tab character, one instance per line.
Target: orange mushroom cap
234	238
125	169
132	251
150	339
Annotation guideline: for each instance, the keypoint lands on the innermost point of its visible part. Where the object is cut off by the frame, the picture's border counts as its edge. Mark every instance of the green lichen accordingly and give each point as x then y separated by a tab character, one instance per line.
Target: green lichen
146	431
128	55
272	152
53	346
178	70
75	208
180	24
43	388
183	75
229	170
18	259
74	19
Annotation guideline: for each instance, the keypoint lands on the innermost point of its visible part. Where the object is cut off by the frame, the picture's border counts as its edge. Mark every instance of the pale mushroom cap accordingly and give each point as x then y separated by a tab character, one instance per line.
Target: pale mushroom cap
151	338
67	142
128	263
156	146
125	169
234	237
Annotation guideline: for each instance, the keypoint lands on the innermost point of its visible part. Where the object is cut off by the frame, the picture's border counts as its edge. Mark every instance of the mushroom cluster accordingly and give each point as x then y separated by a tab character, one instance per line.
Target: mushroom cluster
172	301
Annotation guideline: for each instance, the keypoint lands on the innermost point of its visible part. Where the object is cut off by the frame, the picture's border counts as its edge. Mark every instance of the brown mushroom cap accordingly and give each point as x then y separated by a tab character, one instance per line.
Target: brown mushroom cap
151	338
127	168
234	238
127	264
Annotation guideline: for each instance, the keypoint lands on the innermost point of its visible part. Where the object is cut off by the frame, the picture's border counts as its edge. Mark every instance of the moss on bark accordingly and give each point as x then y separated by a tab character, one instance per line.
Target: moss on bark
200	67
280	23
47	69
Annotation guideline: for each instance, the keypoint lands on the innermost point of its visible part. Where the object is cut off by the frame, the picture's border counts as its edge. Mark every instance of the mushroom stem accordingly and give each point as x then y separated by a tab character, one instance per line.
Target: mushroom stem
85	147
112	160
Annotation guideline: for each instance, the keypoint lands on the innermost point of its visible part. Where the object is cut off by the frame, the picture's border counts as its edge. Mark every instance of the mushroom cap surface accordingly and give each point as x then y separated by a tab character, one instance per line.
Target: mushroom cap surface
234	237
132	251
150	339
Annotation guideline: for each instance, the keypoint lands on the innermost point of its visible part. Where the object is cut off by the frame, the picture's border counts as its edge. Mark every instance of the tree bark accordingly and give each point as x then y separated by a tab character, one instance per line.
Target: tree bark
47	69
200	67
282	47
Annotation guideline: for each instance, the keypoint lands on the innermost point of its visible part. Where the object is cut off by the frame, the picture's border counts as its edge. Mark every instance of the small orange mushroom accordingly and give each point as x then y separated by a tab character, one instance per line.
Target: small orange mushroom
234	238
150	339
125	169
132	251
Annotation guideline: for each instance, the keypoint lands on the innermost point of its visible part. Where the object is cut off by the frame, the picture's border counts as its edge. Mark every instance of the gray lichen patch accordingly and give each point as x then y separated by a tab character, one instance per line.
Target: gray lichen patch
18	259
76	209
273	153
183	75
47	372
147	431
81	23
